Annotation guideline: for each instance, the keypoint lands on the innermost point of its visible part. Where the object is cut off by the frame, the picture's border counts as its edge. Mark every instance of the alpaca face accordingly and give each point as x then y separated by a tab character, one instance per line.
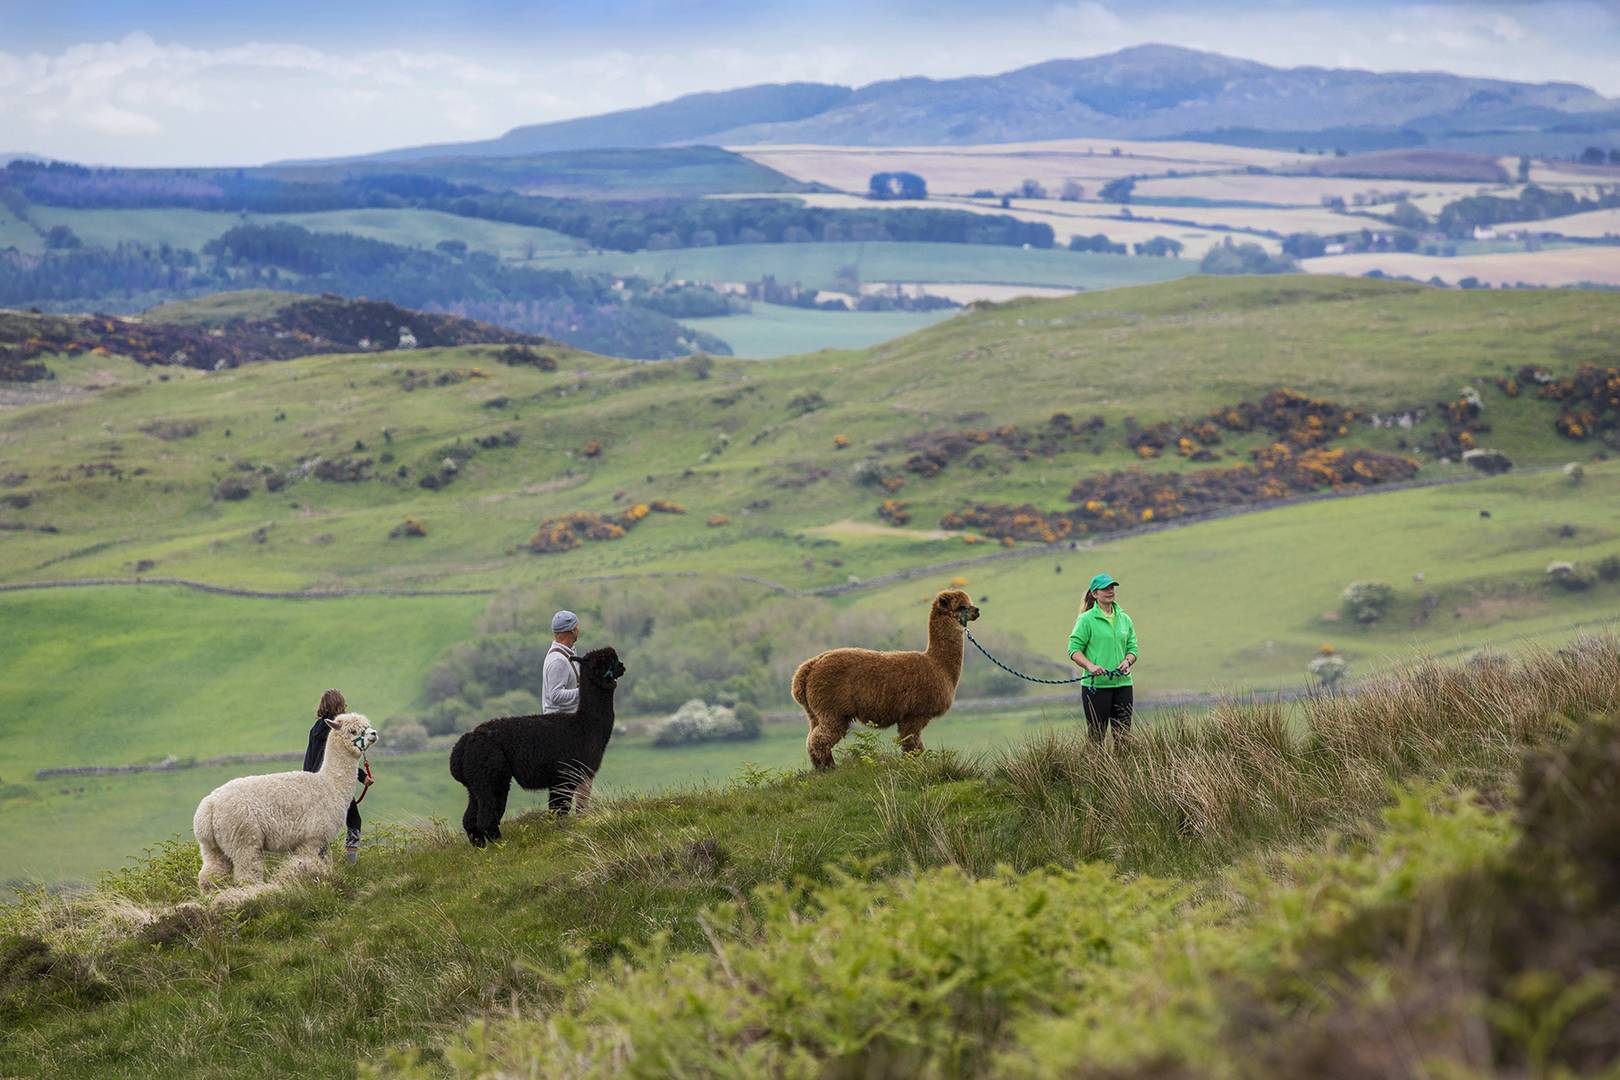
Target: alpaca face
603	667
354	729
957	604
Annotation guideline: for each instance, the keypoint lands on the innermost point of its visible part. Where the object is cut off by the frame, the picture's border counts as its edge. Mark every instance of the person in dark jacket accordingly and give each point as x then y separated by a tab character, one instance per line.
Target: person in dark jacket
331	706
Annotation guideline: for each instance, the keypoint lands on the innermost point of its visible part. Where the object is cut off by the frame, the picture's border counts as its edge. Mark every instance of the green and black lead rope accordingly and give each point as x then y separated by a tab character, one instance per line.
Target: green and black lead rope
1111	673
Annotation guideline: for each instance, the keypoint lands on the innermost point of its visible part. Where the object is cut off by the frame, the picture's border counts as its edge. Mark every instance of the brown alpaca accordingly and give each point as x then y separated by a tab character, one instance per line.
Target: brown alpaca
885	689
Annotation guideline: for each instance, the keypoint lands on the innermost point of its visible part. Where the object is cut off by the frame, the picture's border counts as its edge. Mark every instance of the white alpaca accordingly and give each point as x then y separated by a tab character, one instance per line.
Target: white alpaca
296	812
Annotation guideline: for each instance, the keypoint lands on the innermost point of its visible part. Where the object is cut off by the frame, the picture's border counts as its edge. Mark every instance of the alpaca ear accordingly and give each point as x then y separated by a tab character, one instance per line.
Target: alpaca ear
332	724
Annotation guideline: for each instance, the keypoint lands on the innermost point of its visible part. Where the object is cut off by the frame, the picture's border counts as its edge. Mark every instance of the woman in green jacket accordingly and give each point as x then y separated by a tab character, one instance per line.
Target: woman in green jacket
1104	644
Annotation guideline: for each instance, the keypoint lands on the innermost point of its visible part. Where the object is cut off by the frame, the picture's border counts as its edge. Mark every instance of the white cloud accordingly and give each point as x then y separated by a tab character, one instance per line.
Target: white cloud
139	101
1085	16
112	120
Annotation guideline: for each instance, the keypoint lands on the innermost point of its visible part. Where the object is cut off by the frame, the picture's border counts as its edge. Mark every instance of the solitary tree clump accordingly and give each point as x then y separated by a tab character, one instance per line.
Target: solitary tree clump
1229	258
897	185
1367	601
1118	190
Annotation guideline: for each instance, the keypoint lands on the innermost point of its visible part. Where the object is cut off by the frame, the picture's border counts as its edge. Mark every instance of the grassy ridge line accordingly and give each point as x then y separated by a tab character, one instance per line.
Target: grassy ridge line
540	928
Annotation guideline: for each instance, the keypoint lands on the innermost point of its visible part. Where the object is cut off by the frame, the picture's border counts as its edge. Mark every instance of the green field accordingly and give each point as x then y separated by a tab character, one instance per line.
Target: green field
191	229
772	330
641	173
19	234
1196	593
817	265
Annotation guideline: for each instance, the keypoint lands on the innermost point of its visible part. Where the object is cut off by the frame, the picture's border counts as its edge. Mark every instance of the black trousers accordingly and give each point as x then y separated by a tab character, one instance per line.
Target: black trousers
1108	705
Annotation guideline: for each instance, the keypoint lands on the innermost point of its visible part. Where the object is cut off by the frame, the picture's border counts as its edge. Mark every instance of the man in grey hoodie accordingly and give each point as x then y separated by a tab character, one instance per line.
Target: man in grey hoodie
559	688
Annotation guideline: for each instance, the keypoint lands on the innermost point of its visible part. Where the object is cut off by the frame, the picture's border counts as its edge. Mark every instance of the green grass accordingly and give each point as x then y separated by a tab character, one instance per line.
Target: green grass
817	265
19	234
216	309
772	330
928	915
639	173
191	229
153	672
1153	353
1245	603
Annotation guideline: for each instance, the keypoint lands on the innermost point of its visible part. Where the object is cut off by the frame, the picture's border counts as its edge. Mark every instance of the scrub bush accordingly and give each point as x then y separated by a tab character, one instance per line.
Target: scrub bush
696	722
1366	601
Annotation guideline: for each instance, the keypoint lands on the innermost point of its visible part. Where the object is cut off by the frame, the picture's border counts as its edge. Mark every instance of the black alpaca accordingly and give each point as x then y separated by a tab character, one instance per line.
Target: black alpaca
559	751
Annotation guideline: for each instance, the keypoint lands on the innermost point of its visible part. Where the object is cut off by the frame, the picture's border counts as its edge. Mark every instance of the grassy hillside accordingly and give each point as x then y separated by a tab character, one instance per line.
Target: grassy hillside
723	437
614	173
773	330
1175	902
106	479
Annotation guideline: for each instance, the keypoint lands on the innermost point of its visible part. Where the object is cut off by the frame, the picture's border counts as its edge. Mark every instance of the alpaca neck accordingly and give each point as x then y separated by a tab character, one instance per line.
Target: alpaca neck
595	706
945	645
337	767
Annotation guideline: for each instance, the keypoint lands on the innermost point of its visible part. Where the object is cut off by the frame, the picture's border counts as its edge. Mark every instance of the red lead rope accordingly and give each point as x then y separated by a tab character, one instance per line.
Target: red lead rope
365	764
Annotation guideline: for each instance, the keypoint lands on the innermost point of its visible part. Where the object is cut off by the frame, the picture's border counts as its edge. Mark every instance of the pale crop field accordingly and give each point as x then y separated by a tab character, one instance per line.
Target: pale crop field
1565	174
1592	223
1069	219
1563	266
1003	167
1300	190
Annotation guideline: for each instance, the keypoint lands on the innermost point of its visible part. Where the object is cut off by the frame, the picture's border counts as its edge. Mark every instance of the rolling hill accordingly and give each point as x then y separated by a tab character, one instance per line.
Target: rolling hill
1149	91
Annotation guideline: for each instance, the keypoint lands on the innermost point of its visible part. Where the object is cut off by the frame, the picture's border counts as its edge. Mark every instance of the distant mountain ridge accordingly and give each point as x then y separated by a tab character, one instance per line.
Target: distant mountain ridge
1144	92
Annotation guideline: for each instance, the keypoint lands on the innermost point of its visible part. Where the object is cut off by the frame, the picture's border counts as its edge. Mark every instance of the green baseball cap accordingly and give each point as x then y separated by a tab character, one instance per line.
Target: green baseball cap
1101	581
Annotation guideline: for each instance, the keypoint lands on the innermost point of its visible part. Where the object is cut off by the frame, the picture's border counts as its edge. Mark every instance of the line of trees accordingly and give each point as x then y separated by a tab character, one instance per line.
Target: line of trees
1534	203
613	226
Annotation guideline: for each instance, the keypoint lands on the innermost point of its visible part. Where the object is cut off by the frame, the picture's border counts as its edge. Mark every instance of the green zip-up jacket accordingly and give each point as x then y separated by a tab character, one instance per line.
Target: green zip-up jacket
1104	642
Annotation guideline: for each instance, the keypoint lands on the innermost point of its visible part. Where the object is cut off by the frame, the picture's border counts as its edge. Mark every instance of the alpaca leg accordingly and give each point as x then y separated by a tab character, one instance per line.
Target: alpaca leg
560	797
249	865
469	821
582	795
216	867
491	807
911	735
824	735
311	858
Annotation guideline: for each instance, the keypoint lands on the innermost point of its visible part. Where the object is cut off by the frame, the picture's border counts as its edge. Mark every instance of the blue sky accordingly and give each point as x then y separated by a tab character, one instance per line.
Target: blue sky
176	82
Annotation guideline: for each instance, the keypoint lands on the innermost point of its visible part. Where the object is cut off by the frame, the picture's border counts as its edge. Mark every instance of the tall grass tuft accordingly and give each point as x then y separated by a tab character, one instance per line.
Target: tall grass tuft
1184	794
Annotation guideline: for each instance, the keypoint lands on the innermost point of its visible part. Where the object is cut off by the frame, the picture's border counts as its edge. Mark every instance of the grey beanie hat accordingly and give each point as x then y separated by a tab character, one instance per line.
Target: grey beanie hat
564	621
